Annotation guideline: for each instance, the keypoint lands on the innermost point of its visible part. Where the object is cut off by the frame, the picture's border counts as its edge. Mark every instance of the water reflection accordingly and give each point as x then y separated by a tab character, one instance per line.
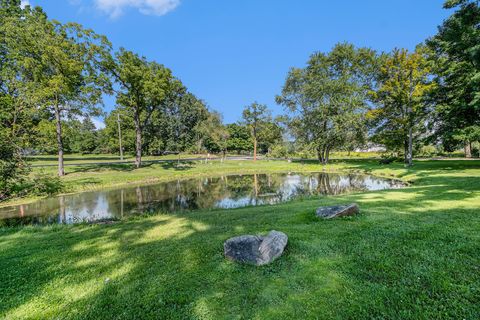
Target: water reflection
176	196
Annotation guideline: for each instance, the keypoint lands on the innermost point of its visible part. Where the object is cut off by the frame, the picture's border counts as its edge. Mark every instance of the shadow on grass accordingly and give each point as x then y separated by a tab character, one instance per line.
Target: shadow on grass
177	165
105	167
68	159
167	165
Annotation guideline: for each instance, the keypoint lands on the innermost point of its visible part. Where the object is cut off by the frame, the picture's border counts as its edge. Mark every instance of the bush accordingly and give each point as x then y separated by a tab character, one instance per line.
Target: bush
428	151
278	151
13	168
44	184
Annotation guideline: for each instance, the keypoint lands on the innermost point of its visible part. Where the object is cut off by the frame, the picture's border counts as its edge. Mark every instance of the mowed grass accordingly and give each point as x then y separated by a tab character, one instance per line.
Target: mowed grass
72	159
412	253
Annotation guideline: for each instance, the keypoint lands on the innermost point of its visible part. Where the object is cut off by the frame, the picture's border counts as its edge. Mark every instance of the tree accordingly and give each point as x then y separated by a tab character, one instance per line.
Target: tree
255	116
401	104
456	55
109	136
185	124
238	138
145	87
326	101
61	66
210	133
17	112
83	136
271	134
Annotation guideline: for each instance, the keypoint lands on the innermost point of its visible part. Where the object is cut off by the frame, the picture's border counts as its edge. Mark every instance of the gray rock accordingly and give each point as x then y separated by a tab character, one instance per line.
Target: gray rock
256	250
337	211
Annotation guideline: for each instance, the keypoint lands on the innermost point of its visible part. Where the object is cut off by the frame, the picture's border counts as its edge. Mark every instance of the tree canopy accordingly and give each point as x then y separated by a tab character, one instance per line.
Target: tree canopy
326	99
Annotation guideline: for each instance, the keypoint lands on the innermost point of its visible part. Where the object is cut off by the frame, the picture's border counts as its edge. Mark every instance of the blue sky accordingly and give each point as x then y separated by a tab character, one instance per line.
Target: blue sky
233	52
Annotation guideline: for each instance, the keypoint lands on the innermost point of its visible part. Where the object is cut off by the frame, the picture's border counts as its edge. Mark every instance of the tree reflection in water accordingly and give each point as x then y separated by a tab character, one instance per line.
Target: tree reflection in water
182	195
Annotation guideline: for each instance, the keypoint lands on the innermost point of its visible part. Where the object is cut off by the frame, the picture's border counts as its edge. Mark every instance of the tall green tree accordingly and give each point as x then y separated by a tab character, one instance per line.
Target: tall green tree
456	49
401	99
239	138
84	136
109	136
255	116
145	87
327	100
62	66
17	110
210	133
271	135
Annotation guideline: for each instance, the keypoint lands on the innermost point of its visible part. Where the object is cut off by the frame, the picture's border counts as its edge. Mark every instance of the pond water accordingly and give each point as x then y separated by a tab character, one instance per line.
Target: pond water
231	191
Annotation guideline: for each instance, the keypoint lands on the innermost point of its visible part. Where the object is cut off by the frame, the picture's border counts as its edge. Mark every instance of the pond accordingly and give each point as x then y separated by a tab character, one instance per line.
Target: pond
231	191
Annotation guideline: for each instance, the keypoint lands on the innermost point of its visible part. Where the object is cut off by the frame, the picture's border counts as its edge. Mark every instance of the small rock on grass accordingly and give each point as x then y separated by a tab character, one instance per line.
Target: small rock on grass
337	211
256	250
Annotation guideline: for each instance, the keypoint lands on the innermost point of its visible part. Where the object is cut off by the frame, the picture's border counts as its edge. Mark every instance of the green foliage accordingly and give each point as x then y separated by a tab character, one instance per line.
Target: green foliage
327	99
428	151
13	169
456	54
256	117
52	67
270	135
239	139
146	87
401	104
278	151
44	184
109	135
85	137
16	107
210	133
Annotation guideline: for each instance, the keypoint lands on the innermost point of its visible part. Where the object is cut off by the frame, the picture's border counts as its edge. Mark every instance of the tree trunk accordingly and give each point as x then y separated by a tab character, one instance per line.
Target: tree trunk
58	120
199	145
468	149
320	156
410	147
138	141
405	151
255	149
120	137
323	155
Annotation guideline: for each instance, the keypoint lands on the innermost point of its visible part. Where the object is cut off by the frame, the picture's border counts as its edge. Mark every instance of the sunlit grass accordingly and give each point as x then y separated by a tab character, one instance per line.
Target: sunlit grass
412	253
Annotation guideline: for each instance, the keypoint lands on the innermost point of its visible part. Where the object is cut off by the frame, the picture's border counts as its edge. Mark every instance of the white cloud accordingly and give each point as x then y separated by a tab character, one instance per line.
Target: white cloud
24	3
99	124
115	8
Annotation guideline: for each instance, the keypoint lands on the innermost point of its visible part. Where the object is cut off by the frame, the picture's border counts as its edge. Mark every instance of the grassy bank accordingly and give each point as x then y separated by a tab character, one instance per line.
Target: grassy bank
412	253
100	176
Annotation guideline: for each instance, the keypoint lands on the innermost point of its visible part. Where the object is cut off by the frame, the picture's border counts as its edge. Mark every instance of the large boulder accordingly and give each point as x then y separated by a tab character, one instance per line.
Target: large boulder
256	250
337	211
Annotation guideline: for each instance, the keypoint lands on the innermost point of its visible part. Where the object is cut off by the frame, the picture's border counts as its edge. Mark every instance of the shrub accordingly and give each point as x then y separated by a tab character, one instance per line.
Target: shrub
45	184
13	168
428	151
278	151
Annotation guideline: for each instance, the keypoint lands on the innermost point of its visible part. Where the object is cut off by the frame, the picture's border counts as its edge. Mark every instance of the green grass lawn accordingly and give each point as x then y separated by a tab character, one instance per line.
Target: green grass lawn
412	253
49	160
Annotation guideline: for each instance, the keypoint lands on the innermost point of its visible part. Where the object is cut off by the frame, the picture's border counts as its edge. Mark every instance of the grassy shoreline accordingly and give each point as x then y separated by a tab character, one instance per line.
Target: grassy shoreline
102	176
412	253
